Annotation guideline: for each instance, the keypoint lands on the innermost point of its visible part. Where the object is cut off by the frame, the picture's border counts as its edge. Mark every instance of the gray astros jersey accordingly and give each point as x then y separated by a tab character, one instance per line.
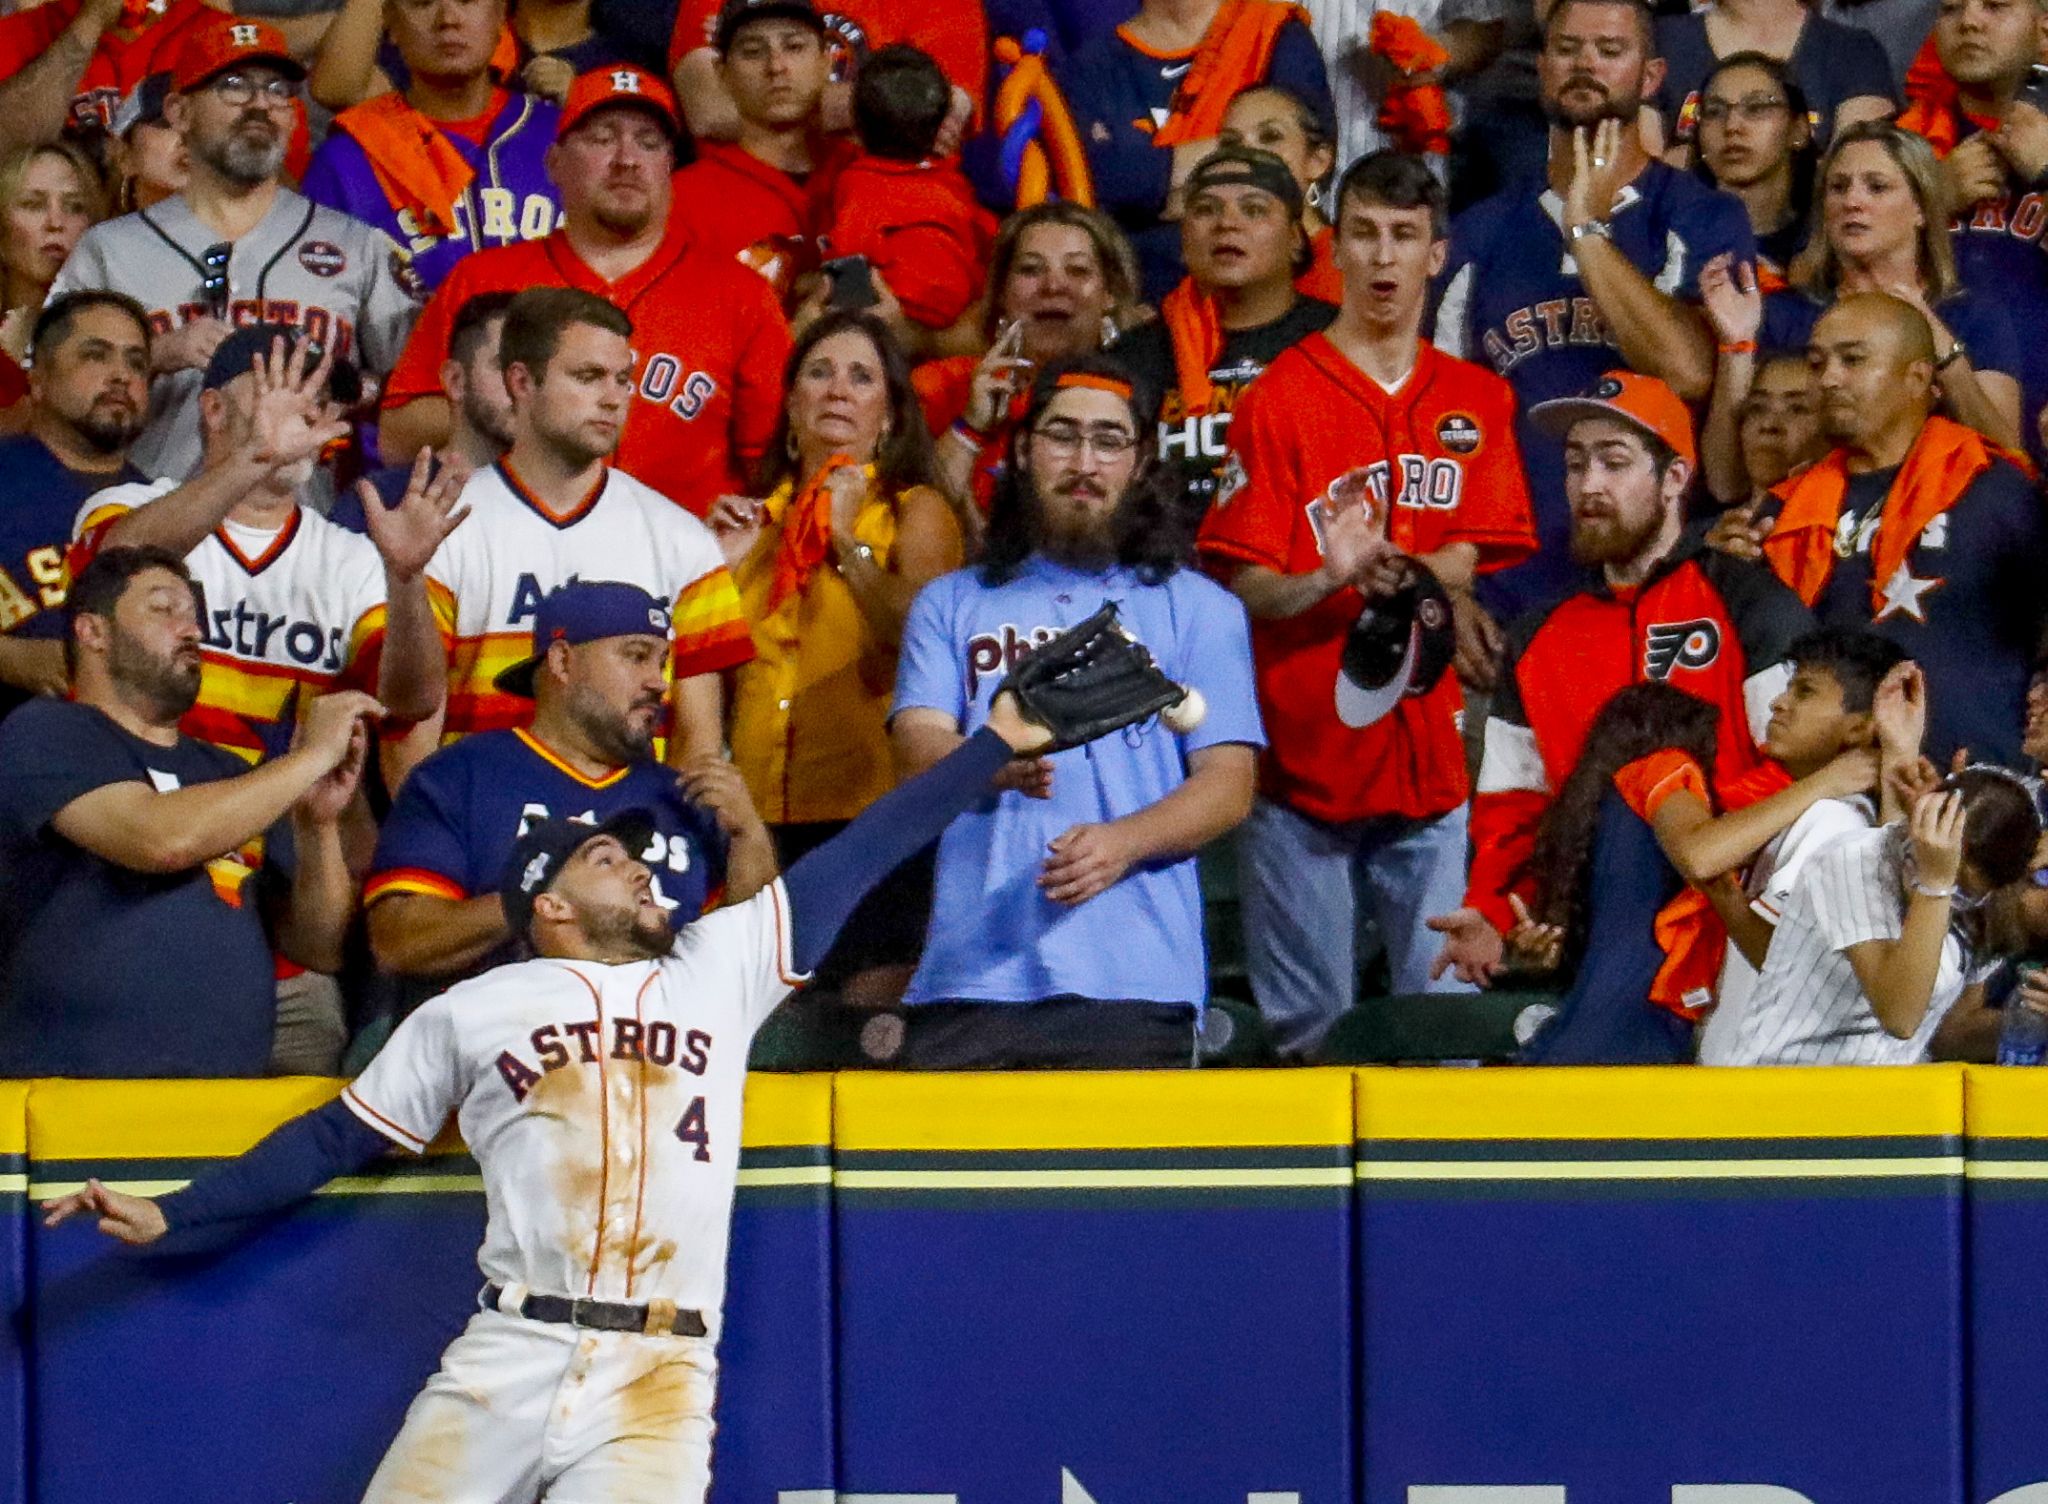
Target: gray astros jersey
340	280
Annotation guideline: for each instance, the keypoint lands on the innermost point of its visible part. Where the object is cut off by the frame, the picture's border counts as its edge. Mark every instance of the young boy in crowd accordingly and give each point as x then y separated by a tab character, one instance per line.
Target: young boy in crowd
911	214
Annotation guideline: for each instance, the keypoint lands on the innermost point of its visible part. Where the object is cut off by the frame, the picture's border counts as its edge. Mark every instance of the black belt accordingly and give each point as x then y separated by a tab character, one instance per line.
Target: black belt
656	1319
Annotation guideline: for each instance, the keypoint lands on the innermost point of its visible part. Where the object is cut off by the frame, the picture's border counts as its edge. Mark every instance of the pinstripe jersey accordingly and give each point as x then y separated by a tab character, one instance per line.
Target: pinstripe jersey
282	610
488	578
1808	1008
602	1104
339	280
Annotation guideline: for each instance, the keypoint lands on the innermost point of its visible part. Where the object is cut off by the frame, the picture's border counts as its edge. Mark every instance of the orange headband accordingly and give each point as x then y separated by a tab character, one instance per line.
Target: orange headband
1094	383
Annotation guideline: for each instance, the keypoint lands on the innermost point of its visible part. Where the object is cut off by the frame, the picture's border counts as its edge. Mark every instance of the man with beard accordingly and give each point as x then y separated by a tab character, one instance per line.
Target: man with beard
1914	526
553	511
88	384
1657	608
706	384
237	247
1066	920
596	680
1548	284
139	913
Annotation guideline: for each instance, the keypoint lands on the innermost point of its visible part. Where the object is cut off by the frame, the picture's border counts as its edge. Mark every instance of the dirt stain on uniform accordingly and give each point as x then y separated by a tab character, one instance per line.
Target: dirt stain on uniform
425	1464
663	1428
570	1097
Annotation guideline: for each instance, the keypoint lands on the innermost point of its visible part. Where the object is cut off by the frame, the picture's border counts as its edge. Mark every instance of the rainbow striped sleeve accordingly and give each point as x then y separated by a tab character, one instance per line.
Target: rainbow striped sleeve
711	627
410	880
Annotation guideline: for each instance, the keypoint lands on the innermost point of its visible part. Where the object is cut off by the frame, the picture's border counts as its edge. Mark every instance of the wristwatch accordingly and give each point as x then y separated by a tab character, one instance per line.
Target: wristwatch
1599	227
1956	352
861	552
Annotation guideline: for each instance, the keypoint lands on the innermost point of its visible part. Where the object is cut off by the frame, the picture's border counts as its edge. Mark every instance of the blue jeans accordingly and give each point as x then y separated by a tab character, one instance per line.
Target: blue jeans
1305	888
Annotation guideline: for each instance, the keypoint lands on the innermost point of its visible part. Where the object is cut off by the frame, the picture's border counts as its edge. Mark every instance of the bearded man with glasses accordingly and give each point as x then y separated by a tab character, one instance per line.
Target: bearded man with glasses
236	246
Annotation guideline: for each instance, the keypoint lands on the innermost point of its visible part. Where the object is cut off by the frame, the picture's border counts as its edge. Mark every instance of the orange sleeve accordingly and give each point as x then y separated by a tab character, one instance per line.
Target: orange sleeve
694	21
418	371
1258	494
1494	514
1758	784
1504	826
1647	782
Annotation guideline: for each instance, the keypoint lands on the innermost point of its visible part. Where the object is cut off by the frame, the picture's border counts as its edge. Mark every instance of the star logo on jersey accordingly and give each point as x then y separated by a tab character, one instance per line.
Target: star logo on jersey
1100	133
1670	646
1902	593
535	874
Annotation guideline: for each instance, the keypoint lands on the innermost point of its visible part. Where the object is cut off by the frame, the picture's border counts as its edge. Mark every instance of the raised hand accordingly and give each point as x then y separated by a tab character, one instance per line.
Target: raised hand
997	379
1937	831
136	1220
1354	540
1899	711
1599	171
290	420
736	522
1531	946
408	534
717	785
327	728
1734	305
1739	532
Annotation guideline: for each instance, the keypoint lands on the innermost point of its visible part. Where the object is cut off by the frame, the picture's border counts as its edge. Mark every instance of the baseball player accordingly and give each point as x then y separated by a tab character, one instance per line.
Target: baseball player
711	337
1362	453
291	604
237	246
599	1087
552	511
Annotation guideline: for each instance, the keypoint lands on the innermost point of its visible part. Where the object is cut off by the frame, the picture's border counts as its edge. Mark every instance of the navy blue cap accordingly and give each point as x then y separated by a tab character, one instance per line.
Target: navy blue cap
144	104
237	355
539	856
585	611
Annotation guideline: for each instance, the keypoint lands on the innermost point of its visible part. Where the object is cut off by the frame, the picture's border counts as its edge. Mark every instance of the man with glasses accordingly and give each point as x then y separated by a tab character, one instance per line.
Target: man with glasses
1067	921
237	246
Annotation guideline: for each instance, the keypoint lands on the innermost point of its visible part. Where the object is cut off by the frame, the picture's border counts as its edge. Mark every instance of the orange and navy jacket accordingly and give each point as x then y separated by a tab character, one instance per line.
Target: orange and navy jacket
1713	626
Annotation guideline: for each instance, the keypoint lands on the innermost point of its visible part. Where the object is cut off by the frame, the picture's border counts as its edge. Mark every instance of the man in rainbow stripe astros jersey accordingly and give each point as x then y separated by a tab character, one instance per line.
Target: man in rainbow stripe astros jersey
290	604
552	512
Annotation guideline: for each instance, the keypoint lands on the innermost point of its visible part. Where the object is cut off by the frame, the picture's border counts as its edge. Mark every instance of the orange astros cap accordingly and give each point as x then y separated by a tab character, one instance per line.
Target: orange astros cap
622	85
1641	401
221	42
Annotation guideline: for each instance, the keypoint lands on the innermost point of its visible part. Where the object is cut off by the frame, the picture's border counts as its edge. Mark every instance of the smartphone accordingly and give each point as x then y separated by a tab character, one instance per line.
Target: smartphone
853	284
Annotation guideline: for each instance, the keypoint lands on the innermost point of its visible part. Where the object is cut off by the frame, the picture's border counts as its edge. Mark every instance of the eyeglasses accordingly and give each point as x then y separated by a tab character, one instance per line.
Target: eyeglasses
213	283
238	89
1065	440
1751	108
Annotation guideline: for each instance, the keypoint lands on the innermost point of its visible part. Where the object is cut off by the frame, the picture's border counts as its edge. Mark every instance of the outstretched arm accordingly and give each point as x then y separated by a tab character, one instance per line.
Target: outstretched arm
291	1163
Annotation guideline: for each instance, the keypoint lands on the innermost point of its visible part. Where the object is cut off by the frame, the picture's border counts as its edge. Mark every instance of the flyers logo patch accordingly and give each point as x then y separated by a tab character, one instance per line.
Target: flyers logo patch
1458	433
1676	645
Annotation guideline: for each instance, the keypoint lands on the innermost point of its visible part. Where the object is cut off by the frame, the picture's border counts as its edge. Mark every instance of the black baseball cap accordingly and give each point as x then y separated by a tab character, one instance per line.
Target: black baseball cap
539	856
1399	646
1246	167
736	13
144	105
236	354
584	611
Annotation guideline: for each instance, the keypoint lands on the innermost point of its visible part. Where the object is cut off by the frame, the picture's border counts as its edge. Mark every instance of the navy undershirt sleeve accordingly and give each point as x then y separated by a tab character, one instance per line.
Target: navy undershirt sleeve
827	884
291	1163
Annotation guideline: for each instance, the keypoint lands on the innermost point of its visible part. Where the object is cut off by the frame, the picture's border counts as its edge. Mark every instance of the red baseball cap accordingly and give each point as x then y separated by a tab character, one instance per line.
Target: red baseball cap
1640	401
624	86
218	43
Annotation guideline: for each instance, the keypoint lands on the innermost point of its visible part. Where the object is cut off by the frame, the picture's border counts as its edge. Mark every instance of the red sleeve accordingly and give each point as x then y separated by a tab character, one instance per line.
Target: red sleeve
1494	514
1258	494
1503	839
27	35
757	377
932	270
418	371
694	22
1647	782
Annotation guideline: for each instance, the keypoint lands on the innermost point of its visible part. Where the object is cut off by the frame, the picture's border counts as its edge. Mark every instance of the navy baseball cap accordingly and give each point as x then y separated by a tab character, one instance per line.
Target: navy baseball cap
736	13
1399	646
144	104
585	611
539	856
236	354
1246	167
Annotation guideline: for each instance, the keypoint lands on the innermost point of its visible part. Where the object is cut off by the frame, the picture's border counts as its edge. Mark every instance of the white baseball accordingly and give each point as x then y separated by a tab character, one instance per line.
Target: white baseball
1188	714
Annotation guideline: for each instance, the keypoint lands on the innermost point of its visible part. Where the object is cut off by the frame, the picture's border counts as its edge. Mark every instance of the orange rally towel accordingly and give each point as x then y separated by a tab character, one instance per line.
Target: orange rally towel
1416	115
1934	105
806	533
1938	468
1236	50
1195	331
417	167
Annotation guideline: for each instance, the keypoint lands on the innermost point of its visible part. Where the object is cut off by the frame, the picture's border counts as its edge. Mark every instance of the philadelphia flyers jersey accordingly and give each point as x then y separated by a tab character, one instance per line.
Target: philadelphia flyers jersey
1443	467
294	609
709	343
488	578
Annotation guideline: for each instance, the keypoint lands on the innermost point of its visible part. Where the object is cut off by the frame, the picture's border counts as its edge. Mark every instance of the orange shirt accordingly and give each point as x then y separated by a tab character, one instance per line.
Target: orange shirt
954	32
740	207
919	225
709	345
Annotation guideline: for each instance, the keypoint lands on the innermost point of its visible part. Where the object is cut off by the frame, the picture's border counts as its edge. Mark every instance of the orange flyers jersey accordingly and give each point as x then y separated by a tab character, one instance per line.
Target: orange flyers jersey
491	573
282	611
709	343
1442	463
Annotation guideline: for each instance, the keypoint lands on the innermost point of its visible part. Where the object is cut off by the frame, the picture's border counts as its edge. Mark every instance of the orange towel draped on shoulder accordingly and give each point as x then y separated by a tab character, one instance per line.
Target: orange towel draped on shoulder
1934	105
1235	53
1195	331
416	166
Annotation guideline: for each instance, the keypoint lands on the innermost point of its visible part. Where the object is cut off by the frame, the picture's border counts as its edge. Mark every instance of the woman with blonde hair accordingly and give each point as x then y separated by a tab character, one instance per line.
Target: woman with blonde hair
1882	226
49	195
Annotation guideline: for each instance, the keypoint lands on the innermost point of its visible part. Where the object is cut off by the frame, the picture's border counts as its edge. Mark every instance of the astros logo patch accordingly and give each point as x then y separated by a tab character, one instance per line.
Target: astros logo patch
1457	433
625	81
245	36
1676	645
322	258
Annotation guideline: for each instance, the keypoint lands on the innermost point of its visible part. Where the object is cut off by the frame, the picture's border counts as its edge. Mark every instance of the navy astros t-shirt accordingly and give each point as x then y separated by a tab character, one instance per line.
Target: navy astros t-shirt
1830	62
106	971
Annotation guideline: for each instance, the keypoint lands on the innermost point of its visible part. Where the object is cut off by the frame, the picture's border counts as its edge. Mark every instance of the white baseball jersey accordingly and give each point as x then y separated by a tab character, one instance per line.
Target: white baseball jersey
341	281
1808	1008
492	572
1768	887
298	607
602	1104
1343	31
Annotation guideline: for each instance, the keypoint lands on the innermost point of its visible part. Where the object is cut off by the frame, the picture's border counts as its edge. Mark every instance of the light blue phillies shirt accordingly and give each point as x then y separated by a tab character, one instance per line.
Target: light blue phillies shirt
994	936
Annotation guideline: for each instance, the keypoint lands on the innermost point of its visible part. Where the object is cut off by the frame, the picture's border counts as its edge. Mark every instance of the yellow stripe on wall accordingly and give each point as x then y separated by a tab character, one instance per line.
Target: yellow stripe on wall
1094	1110
164	1119
784	1112
2007	1102
1660	1102
14	1117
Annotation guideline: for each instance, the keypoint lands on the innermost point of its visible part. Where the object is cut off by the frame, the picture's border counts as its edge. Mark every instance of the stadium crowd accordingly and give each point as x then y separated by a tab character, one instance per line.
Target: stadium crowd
1583	461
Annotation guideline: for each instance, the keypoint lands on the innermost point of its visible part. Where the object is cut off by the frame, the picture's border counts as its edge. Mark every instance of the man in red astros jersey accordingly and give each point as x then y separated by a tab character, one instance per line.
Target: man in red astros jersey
1361	455
709	338
1656	607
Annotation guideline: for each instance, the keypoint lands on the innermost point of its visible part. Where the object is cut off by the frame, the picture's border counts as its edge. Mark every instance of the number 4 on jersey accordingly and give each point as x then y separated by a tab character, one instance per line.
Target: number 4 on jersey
692	1130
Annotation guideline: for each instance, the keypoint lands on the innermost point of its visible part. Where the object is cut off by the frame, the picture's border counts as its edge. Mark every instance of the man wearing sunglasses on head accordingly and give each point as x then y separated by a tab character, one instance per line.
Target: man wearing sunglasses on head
237	247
